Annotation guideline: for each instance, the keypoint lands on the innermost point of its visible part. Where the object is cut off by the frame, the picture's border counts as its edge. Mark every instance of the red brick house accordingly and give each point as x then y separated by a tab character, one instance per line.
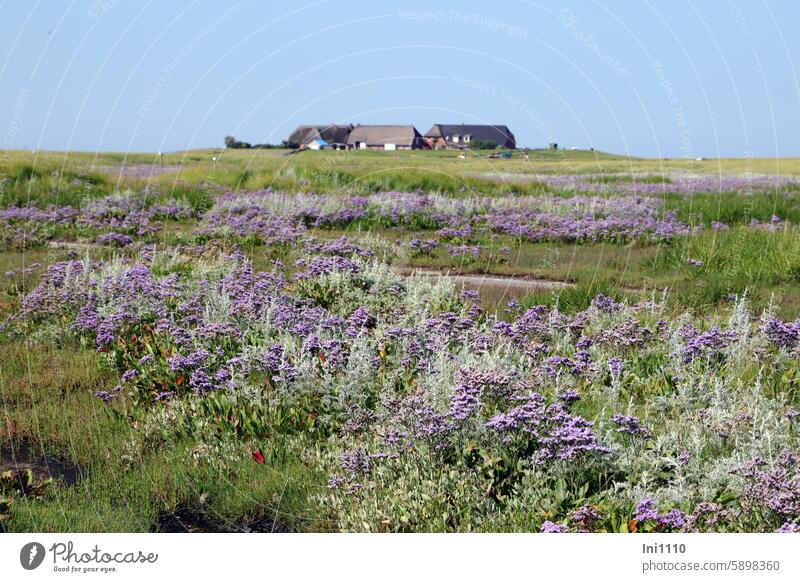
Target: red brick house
459	136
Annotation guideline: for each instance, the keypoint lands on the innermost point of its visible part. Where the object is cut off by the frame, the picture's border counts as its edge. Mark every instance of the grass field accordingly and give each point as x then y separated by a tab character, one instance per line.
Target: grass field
229	340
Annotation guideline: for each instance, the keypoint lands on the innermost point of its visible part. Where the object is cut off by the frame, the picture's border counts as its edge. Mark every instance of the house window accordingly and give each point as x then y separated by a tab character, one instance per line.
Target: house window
455	138
467	138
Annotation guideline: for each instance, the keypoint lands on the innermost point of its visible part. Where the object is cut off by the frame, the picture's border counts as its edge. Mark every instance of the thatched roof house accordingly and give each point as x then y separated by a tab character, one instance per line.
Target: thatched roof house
386	137
306	135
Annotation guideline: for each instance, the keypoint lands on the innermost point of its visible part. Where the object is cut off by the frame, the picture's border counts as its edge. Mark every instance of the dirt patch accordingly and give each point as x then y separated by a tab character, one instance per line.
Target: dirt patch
480	280
18	457
72	246
185	520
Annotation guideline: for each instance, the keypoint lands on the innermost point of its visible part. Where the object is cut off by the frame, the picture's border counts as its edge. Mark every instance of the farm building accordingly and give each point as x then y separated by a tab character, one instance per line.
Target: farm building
386	137
320	136
441	136
318	144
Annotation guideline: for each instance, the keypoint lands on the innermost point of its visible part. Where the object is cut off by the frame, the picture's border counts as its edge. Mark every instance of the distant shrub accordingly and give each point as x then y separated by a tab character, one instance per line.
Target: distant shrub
234	144
477	144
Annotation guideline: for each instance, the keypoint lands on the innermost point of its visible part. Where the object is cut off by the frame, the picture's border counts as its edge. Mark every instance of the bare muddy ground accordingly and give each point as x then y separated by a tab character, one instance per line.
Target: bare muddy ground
185	520
23	456
72	246
480	280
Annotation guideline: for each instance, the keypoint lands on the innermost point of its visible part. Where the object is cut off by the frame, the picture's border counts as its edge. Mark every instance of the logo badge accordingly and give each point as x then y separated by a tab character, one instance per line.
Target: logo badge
31	555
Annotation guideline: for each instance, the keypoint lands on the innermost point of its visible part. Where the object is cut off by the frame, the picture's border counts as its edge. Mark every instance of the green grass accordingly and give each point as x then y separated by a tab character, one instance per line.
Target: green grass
47	400
765	264
117	496
735	208
742	255
48	180
579	297
355	170
45	183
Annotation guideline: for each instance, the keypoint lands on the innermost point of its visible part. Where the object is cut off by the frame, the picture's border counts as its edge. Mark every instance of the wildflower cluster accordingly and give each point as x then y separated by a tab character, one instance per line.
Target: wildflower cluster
423	410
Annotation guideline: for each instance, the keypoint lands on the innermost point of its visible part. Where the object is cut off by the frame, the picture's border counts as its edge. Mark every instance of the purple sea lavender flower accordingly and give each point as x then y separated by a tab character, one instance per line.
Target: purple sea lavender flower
341	247
582	362
114	239
468	251
356	463
586	517
470	295
705	345
606	304
674	519
568	437
615	365
464	402
705	514
550	527
782	334
570	397
129	375
776	488
359	320
554	364
200	382
276	361
322	265
448	233
488	383
423	247
336	482
646	510
630	425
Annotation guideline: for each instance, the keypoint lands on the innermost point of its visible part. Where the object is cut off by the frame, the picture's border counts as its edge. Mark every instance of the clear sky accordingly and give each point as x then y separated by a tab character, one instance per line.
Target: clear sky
672	78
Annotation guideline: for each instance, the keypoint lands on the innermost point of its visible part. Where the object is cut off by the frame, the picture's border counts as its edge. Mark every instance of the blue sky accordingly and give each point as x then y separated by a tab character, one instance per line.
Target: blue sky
670	79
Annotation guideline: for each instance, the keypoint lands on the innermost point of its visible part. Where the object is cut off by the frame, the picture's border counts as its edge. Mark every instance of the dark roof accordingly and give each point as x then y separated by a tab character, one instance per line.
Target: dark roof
402	135
499	134
305	134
